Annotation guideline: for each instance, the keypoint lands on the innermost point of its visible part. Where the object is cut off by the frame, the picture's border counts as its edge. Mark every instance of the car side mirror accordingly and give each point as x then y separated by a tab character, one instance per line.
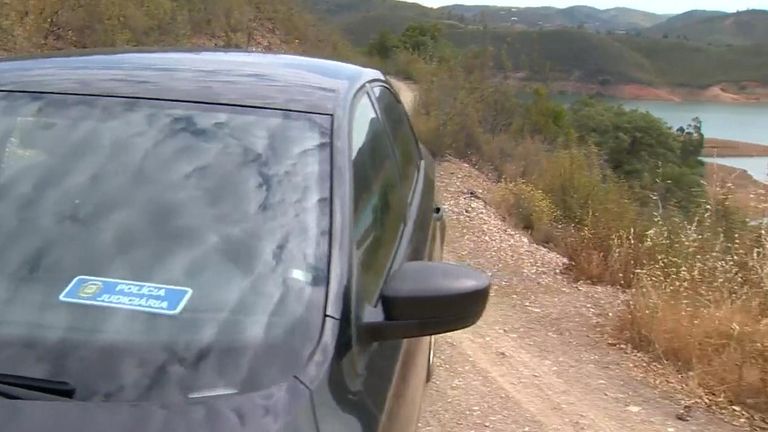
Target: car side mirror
425	298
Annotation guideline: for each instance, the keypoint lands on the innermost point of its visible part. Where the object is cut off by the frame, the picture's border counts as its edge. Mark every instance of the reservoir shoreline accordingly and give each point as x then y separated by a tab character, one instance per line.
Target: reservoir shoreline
732	93
717	147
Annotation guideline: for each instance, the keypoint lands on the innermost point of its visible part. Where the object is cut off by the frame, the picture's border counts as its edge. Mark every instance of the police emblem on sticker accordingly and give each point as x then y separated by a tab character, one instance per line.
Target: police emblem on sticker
140	296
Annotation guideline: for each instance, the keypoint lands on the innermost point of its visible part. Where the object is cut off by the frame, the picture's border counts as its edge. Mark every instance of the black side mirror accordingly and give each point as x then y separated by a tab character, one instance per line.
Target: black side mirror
426	298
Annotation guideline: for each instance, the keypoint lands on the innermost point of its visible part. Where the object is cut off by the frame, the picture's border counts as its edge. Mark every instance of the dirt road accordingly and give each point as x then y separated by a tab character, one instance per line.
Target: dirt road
541	358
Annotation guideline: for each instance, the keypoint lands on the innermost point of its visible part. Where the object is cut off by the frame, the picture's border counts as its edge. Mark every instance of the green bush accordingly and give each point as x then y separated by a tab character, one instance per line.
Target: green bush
643	151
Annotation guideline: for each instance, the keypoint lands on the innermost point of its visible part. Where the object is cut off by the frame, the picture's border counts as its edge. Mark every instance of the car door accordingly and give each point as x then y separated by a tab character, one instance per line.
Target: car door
405	396
393	202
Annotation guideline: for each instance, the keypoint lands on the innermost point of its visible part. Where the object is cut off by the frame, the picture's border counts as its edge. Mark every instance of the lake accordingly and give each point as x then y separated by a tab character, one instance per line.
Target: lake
740	122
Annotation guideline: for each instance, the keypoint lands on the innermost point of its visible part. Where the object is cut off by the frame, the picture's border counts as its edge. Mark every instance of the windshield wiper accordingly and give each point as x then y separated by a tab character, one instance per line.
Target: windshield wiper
28	388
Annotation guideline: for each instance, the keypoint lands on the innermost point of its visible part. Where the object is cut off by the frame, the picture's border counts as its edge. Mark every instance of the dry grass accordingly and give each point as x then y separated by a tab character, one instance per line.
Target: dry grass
747	194
721	346
698	287
699	301
529	208
32	26
572	204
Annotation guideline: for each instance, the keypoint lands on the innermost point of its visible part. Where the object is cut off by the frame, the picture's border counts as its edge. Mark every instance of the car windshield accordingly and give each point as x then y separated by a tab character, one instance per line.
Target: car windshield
157	250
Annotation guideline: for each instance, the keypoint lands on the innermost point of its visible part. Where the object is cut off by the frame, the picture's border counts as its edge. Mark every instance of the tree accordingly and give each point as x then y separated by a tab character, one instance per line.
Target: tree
691	143
642	150
383	45
421	39
545	118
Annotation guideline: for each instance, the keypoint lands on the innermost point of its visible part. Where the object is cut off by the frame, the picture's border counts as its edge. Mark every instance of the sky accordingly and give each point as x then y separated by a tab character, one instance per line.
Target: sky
658	6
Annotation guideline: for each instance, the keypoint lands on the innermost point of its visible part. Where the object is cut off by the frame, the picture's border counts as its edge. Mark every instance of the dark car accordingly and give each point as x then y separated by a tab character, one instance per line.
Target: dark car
216	241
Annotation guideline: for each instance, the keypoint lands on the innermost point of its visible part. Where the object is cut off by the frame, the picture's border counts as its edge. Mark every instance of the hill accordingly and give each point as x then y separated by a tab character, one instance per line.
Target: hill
570	54
361	20
550	17
561	54
682	19
633	18
340	9
716	28
46	25
571	43
687	64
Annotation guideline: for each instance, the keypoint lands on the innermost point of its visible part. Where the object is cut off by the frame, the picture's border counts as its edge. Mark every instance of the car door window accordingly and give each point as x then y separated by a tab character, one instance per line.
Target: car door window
406	145
379	211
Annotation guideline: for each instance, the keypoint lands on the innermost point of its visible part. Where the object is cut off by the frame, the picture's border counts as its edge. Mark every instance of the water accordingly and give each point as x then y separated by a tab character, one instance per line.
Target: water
746	122
740	122
756	166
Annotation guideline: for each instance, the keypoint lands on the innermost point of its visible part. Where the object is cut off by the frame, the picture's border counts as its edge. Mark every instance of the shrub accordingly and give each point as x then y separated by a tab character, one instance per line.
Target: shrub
598	222
642	150
529	208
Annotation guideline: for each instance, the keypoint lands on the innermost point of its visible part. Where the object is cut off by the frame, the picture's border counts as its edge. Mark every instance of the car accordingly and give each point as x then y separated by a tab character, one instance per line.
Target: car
216	241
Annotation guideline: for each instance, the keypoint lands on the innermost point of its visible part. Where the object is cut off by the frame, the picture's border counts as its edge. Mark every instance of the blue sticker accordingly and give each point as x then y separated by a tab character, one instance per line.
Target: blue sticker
160	299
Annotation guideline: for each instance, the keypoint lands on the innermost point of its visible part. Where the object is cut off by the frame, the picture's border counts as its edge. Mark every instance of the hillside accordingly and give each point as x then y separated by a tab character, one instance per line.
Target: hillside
682	19
46	25
361	20
341	9
550	17
564	54
570	54
578	43
716	28
687	64
633	18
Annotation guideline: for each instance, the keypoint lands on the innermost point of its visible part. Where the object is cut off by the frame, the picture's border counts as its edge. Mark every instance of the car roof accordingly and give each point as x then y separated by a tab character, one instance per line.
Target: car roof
219	77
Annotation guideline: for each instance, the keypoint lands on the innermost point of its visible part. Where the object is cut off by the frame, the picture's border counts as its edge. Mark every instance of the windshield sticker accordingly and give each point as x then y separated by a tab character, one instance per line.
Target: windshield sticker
141	296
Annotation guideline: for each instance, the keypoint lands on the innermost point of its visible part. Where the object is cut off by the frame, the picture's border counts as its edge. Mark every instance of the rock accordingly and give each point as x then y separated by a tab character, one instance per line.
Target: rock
685	414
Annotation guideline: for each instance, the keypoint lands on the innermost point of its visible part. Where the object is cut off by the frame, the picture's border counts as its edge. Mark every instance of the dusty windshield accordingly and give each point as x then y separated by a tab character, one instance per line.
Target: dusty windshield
157	250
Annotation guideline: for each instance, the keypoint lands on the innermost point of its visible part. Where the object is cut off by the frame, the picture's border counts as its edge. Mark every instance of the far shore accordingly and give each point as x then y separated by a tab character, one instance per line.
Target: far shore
716	147
745	92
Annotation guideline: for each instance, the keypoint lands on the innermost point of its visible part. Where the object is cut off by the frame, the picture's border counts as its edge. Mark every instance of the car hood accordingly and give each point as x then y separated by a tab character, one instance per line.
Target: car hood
285	407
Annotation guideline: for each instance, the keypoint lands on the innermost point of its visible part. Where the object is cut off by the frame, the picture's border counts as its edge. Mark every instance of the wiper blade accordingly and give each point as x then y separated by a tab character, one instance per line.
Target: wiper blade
29	388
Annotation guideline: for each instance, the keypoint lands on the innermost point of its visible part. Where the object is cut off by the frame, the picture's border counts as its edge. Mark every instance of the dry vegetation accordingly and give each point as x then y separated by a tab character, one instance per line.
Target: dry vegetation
44	25
744	192
694	269
700	302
